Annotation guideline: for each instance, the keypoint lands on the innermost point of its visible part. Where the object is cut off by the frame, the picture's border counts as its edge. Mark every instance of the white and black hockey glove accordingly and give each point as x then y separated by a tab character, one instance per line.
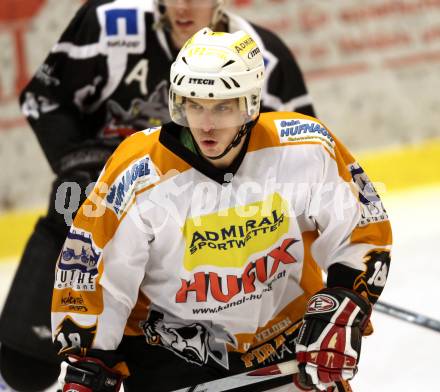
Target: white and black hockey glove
88	375
329	341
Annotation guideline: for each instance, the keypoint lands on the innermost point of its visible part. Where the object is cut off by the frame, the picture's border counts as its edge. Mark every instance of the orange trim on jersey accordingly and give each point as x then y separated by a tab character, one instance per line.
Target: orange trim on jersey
139	313
131	149
137	146
265	133
79	301
343	151
166	161
311	278
108	223
273	344
94	212
286	321
378	233
122	369
73	349
343	159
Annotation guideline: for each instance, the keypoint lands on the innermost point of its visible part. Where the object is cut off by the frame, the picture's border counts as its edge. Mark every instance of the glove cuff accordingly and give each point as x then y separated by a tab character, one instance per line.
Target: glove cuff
91	374
334	303
72	387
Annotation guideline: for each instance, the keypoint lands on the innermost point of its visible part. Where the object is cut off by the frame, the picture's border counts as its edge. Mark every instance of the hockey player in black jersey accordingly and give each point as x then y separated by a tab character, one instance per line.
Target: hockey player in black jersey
106	77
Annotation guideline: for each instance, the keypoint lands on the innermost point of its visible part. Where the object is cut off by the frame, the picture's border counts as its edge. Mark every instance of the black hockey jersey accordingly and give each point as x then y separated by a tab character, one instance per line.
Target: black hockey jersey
107	76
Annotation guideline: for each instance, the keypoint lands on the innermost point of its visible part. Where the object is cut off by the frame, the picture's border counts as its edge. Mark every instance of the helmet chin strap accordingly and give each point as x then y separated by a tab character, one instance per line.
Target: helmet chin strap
243	131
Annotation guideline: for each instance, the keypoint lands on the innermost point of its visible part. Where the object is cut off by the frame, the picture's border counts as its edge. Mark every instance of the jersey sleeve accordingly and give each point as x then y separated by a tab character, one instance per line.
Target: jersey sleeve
355	238
103	260
286	89
65	86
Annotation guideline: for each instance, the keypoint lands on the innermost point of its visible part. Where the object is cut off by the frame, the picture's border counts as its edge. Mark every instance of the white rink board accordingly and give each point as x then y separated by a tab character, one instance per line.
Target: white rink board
371	67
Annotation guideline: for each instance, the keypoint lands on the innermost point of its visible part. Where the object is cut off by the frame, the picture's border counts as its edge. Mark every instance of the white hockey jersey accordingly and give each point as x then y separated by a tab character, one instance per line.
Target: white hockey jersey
167	244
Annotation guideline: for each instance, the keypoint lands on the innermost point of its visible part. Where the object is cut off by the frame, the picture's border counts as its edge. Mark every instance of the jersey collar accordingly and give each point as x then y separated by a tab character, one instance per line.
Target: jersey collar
169	138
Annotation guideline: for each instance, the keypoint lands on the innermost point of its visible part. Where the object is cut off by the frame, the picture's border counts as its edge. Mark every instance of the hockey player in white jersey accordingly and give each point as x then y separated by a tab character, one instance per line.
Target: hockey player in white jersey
199	254
105	78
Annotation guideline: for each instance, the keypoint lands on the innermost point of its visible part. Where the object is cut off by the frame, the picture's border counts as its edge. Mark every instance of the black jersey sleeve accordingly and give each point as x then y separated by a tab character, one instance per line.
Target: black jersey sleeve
285	80
57	99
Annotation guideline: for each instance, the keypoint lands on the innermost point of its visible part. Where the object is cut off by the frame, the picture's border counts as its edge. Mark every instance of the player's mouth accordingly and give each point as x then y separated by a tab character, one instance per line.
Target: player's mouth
208	143
184	23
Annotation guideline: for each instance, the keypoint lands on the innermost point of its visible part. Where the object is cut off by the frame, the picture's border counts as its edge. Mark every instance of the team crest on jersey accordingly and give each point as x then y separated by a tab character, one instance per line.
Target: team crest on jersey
141	114
195	341
302	130
72	338
372	281
138	175
372	207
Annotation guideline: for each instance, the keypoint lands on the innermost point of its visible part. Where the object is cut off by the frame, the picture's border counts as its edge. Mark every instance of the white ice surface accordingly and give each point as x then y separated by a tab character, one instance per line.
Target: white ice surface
400	356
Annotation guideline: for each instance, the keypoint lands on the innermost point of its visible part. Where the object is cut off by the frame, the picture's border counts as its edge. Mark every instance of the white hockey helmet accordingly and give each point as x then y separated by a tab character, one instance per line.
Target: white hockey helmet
213	65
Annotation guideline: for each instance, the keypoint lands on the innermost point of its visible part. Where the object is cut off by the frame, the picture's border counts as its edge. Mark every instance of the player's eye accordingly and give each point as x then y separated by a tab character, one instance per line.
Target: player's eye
195	107
223	108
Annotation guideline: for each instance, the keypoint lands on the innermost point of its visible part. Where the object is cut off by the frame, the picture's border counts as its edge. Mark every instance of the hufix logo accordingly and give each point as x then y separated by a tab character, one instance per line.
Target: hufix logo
260	270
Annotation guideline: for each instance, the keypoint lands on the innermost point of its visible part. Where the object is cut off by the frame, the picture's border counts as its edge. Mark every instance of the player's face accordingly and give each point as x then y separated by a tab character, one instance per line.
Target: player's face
214	123
187	17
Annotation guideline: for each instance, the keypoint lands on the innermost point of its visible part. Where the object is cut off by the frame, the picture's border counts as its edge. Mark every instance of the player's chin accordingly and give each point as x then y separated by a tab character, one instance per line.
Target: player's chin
210	149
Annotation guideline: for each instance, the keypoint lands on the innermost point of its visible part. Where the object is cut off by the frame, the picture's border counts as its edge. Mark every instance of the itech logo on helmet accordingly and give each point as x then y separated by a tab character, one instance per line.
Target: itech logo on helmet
201	81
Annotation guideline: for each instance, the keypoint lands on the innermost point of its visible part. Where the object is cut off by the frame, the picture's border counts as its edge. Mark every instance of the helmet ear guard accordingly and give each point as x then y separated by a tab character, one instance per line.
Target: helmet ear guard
214	65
